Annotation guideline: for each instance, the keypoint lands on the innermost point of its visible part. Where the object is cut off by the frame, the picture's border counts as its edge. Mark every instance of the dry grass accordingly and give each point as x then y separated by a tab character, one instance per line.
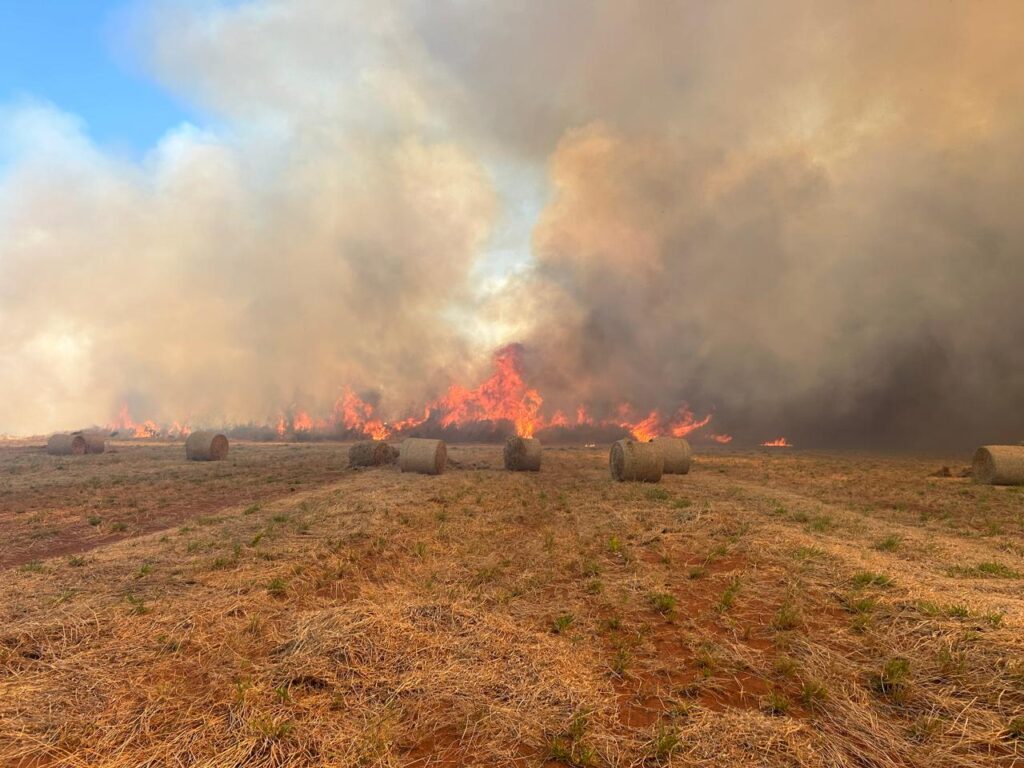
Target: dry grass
70	504
781	609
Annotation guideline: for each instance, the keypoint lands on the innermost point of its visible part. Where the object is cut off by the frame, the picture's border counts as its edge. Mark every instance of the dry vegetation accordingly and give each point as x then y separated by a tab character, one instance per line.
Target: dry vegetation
767	609
69	504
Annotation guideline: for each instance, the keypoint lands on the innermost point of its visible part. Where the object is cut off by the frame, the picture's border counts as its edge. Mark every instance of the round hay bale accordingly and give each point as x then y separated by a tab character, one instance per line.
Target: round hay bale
676	453
999	465
371	453
66	445
206	446
95	442
427	457
522	454
630	460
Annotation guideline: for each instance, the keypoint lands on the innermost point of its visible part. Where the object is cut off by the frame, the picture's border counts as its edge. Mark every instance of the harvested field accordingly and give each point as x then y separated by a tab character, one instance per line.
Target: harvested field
70	504
780	609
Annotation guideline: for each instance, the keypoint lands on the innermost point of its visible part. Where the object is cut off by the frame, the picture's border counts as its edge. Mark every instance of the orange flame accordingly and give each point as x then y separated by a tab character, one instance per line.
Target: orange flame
559	420
654	425
645	429
502	397
124	423
412	421
723	439
302	422
685	422
355	414
780	442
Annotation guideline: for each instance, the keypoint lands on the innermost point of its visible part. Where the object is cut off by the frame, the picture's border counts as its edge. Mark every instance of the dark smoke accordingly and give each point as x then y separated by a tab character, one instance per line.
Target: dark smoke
868	309
810	229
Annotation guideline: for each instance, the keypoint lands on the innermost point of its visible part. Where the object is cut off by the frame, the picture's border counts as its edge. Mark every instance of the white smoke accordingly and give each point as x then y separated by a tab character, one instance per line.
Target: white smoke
319	239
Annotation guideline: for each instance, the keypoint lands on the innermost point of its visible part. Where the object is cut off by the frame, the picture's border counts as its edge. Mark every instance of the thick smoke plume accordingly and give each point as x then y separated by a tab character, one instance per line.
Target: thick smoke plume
798	216
320	240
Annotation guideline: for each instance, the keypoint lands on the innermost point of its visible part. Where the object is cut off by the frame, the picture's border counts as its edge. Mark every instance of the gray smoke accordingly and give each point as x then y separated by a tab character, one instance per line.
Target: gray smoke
801	216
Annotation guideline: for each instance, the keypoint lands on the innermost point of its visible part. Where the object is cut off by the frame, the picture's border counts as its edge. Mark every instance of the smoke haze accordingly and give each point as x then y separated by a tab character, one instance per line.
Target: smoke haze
800	218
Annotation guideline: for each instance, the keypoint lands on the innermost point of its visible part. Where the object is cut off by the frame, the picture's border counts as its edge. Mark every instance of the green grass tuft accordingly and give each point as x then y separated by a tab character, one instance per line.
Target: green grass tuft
662	602
562	623
867	579
893	681
889	544
986	570
787	617
729	596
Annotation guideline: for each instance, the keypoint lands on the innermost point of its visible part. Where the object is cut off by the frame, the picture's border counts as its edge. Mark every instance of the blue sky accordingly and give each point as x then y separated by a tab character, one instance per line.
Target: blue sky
73	53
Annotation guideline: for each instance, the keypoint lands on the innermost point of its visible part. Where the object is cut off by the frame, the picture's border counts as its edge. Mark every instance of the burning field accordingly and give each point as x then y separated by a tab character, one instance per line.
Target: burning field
501	403
426	383
391	232
280	609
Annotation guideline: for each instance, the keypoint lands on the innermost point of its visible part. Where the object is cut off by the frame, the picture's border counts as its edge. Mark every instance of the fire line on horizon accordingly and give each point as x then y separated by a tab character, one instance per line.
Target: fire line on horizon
503	396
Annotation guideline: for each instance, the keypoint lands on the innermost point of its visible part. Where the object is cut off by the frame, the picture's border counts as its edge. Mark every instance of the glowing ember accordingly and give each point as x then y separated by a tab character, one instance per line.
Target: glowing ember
780	442
723	439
